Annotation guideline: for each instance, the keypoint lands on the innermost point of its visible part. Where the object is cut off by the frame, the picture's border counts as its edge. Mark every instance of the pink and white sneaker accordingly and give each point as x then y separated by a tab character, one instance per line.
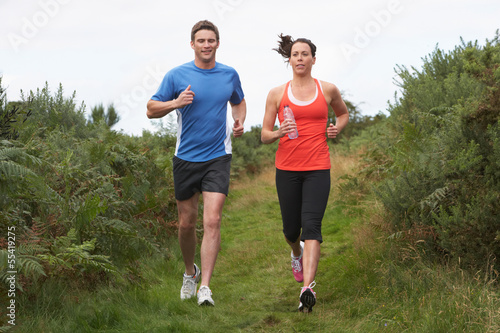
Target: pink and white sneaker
307	298
297	271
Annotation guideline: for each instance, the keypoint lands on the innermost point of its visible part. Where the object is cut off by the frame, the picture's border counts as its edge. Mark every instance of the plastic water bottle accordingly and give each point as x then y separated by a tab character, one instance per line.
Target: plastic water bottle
288	114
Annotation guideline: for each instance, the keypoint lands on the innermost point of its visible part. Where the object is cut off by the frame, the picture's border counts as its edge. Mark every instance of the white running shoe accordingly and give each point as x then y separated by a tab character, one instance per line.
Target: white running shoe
205	296
190	283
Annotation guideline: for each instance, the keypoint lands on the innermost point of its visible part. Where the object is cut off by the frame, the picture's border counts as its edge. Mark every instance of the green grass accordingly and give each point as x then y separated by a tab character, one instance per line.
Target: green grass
363	285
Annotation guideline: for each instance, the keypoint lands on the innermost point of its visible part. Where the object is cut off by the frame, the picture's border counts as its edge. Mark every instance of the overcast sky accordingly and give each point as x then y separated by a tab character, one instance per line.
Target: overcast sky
117	51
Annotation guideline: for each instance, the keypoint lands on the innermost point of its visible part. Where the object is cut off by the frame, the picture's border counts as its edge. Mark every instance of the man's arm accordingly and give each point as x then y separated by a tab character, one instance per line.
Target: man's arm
239	114
158	109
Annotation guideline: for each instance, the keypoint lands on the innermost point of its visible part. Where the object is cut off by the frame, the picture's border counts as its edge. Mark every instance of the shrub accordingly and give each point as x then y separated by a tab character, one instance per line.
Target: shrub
442	181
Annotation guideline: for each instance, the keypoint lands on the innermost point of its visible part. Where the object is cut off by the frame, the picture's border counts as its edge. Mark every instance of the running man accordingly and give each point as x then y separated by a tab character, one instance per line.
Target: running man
199	91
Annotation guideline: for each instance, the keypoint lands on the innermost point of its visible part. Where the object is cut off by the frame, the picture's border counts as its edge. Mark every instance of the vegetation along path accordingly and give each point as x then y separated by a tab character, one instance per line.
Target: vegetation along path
361	286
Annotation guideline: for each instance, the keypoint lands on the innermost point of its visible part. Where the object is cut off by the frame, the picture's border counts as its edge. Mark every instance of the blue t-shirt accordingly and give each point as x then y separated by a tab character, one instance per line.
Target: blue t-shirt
204	130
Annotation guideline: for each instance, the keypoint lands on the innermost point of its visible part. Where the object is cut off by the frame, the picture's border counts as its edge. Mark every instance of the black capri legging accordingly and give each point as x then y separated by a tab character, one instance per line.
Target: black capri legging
303	196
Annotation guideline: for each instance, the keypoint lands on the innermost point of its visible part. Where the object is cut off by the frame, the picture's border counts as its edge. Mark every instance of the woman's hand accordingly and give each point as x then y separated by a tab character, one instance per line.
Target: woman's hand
287	126
332	131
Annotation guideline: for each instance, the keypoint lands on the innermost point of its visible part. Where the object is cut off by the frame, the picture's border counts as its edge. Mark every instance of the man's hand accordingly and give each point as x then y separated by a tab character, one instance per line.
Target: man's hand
185	98
238	128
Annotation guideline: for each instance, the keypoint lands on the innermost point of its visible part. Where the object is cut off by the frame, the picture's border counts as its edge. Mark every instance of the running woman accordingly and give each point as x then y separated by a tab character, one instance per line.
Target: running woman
303	164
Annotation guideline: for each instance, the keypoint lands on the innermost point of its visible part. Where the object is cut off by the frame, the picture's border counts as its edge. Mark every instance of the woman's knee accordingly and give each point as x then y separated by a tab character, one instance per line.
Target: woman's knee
291	236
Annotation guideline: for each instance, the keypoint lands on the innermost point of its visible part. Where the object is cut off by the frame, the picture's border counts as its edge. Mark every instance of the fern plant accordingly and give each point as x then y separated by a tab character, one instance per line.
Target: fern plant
105	198
27	263
68	254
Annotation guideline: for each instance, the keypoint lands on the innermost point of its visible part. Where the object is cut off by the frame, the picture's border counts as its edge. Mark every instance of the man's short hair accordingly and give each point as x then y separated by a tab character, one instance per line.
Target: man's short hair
204	25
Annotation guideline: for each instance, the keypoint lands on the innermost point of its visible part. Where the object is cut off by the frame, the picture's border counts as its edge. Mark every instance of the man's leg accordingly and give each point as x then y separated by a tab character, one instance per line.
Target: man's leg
188	214
212	213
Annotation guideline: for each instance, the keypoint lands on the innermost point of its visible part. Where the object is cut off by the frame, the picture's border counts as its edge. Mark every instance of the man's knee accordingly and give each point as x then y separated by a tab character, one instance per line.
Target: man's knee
212	223
187	223
186	226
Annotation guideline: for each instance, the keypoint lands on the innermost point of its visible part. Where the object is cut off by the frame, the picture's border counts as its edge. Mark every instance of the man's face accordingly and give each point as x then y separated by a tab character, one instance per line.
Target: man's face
205	45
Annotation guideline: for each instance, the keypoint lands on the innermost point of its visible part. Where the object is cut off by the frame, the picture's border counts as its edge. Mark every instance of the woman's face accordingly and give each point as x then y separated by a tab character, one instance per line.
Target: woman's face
301	58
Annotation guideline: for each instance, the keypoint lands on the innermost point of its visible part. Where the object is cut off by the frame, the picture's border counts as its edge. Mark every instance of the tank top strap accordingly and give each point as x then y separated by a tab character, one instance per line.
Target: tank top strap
284	98
320	88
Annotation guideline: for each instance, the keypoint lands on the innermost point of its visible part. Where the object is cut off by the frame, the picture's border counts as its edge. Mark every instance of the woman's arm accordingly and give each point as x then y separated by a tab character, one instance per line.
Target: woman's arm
334	99
268	135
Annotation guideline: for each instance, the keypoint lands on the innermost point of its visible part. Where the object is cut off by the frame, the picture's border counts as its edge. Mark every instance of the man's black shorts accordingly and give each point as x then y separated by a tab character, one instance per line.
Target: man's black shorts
194	177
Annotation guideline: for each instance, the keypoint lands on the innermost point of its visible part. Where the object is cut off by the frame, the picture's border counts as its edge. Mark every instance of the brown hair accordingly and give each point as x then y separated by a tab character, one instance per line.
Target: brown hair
204	25
286	43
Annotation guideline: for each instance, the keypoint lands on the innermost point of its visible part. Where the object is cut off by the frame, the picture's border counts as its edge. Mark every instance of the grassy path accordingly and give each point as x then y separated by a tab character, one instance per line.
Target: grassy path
253	286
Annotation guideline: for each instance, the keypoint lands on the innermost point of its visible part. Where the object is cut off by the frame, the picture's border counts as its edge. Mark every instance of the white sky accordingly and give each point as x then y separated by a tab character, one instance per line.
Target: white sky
112	51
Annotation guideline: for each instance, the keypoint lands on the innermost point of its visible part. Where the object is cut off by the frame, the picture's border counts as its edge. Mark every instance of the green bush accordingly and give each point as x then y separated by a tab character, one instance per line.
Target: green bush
440	155
85	201
250	155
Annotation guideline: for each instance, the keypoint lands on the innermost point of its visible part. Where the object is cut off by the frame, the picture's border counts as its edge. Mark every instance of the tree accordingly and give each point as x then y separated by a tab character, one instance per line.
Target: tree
110	117
357	121
10	114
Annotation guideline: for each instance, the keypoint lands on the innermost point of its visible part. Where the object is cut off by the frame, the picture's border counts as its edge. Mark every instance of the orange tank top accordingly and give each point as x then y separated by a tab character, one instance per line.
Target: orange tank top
310	150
